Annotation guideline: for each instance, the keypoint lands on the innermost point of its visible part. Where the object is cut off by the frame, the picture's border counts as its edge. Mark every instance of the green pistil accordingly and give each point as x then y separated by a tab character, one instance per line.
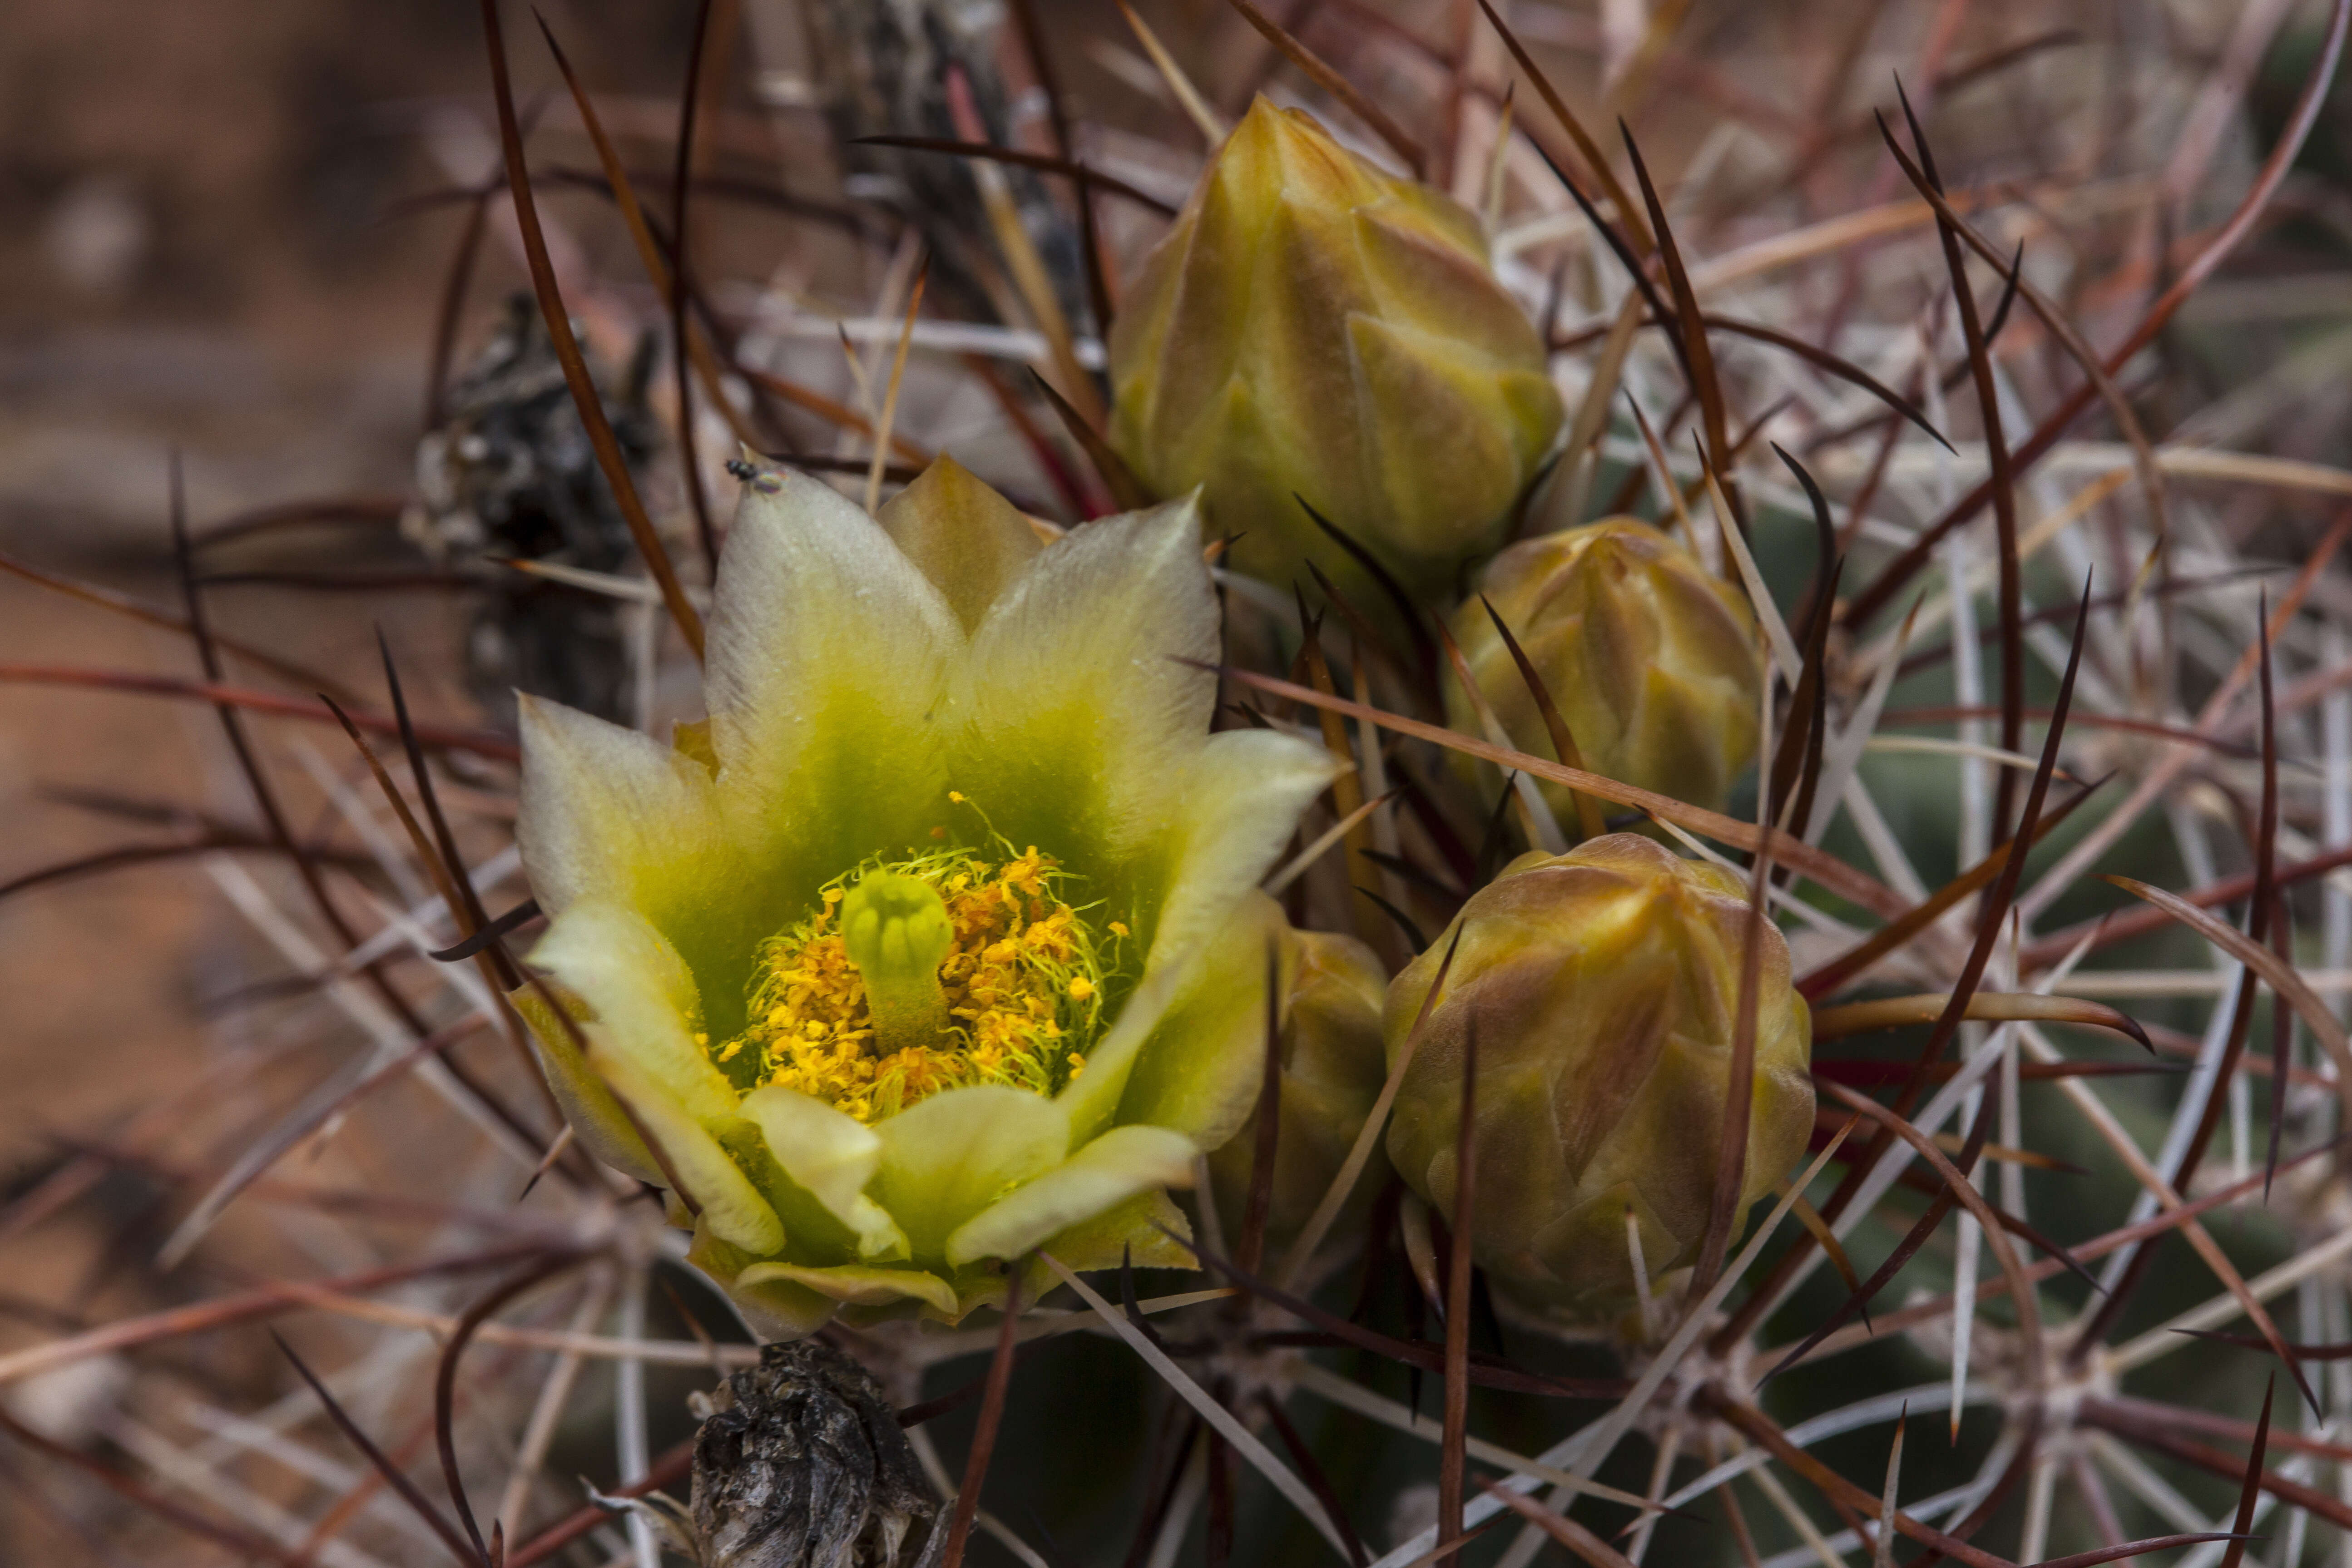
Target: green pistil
897	931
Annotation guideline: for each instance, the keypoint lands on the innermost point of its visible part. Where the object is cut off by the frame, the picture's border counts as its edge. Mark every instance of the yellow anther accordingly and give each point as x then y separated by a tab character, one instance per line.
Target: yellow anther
1000	976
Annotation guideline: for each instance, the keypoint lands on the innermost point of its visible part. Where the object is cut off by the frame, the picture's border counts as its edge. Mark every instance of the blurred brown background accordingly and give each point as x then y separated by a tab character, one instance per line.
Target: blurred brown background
202	246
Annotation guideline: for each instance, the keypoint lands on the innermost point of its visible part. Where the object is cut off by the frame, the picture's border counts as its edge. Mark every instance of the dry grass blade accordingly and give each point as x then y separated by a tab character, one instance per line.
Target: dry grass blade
1311	1469
1759	1427
123	605
1699	356
496	748
1991	920
1315	70
1347	789
233	725
212	841
1592	421
453	284
465	906
1589	150
230	1539
1882	1550
1567	1531
1739	1084
1457	1294
2252	1488
1218	1417
1896	933
2276	973
689	458
1057	117
262	1301
444	1381
609	458
1425	646
1563	743
1251	1249
1845	370
2282	1042
670	1466
393	1474
833	412
1995	910
1360	1153
1212	125
2163	1437
2002	480
1894	1012
1832	873
890	415
1897	572
983	1437
1127	491
2053	318
2131	1549
1079	173
499	928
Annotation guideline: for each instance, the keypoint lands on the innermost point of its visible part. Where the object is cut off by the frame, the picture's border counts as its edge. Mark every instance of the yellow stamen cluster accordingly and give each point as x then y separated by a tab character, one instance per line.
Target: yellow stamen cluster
1024	981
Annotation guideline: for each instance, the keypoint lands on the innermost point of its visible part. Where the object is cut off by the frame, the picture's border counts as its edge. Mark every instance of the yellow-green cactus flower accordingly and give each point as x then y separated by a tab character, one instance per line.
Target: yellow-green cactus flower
1313	328
1332	988
1600	985
938	944
1651	659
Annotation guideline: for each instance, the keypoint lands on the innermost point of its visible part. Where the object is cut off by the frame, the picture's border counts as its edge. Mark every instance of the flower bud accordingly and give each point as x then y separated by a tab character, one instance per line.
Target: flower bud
1314	329
1332	1074
1651	659
1600	987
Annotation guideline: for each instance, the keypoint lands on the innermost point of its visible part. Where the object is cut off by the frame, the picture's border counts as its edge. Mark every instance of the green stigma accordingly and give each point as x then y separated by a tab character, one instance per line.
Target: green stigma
897	931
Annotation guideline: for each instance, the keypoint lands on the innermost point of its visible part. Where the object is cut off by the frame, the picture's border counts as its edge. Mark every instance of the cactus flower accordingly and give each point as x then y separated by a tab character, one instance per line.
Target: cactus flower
1332	1071
908	962
1651	659
1600	985
1312	328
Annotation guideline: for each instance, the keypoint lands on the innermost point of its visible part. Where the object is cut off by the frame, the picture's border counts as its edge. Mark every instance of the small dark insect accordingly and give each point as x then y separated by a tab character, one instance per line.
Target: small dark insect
511	476
801	1464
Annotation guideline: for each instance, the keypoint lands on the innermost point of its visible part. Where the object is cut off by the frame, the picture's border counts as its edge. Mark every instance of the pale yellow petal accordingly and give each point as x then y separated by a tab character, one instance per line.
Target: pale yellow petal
828	659
1115	1166
967	539
1148	1229
775	1308
609	814
832	1156
1204	1067
705	1175
596	1117
641	998
1241	799
856	1284
1074	717
949	1157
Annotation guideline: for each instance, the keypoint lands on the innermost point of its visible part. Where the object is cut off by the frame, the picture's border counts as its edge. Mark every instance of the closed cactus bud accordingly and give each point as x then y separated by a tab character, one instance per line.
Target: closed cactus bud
1331	1073
1652	659
1312	328
1600	986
